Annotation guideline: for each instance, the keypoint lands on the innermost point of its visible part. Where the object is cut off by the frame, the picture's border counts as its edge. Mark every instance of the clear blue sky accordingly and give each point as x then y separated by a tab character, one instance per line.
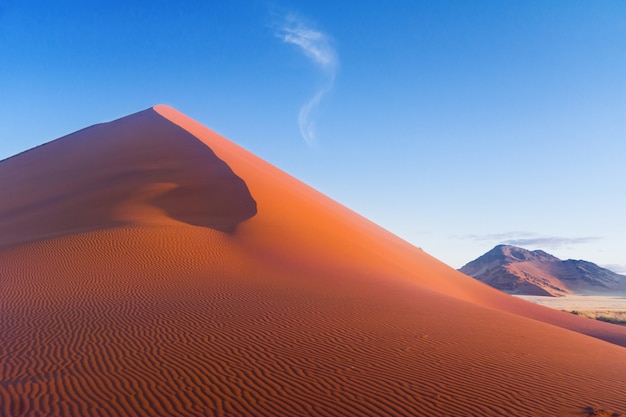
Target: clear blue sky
457	125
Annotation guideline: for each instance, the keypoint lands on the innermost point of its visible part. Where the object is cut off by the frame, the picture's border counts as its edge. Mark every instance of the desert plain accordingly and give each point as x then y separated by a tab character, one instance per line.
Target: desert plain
150	267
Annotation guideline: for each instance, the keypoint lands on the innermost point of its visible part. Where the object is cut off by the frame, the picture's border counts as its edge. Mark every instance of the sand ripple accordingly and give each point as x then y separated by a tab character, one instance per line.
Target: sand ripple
177	321
121	295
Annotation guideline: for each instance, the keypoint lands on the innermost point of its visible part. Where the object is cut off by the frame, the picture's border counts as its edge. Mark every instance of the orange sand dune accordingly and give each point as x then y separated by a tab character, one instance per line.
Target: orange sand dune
149	267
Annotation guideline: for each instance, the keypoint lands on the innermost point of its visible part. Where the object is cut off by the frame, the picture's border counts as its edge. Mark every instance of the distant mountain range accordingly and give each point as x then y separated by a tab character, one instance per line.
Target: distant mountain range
519	271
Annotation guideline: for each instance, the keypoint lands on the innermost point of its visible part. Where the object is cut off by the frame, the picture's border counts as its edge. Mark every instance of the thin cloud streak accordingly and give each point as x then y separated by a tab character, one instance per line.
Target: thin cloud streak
306	123
317	46
533	239
550	241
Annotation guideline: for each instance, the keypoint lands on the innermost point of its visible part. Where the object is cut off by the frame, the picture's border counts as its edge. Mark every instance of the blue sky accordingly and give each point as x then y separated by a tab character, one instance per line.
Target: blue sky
457	125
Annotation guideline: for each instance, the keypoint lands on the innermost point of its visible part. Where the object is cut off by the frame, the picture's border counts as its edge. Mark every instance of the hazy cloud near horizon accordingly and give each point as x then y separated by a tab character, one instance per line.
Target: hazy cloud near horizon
317	46
550	241
533	239
618	269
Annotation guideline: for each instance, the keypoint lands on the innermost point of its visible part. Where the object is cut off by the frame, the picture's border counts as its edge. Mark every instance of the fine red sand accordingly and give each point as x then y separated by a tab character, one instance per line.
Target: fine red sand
150	267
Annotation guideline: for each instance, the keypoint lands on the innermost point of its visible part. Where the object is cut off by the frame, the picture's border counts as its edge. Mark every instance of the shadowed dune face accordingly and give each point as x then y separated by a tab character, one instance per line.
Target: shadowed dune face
138	169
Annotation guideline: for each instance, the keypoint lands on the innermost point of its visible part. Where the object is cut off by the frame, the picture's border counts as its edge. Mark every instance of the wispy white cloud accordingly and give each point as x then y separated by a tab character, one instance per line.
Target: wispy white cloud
317	46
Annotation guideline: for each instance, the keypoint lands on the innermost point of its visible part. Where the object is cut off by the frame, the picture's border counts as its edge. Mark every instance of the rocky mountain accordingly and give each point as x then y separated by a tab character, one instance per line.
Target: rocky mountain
519	271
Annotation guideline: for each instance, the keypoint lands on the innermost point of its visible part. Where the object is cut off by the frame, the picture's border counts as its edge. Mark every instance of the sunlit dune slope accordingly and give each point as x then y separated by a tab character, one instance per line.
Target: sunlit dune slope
297	223
150	267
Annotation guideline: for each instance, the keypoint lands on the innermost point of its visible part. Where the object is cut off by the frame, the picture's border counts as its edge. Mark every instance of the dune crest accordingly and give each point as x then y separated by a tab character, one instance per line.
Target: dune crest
99	170
122	295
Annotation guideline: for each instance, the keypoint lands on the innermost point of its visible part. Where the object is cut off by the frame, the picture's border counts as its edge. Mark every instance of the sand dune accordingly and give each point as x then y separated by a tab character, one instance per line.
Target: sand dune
150	267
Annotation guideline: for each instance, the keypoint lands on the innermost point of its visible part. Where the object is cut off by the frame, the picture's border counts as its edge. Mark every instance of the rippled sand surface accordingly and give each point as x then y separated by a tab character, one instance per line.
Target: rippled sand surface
130	287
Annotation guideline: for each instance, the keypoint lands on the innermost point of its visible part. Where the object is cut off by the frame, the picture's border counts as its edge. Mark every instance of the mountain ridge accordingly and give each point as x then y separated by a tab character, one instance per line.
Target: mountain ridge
520	271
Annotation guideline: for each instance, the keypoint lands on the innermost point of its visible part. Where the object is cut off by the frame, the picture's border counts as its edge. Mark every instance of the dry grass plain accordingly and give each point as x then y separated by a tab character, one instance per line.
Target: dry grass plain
611	309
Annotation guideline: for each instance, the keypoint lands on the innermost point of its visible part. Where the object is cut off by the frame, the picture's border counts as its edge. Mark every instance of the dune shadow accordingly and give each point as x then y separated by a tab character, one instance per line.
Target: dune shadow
79	182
